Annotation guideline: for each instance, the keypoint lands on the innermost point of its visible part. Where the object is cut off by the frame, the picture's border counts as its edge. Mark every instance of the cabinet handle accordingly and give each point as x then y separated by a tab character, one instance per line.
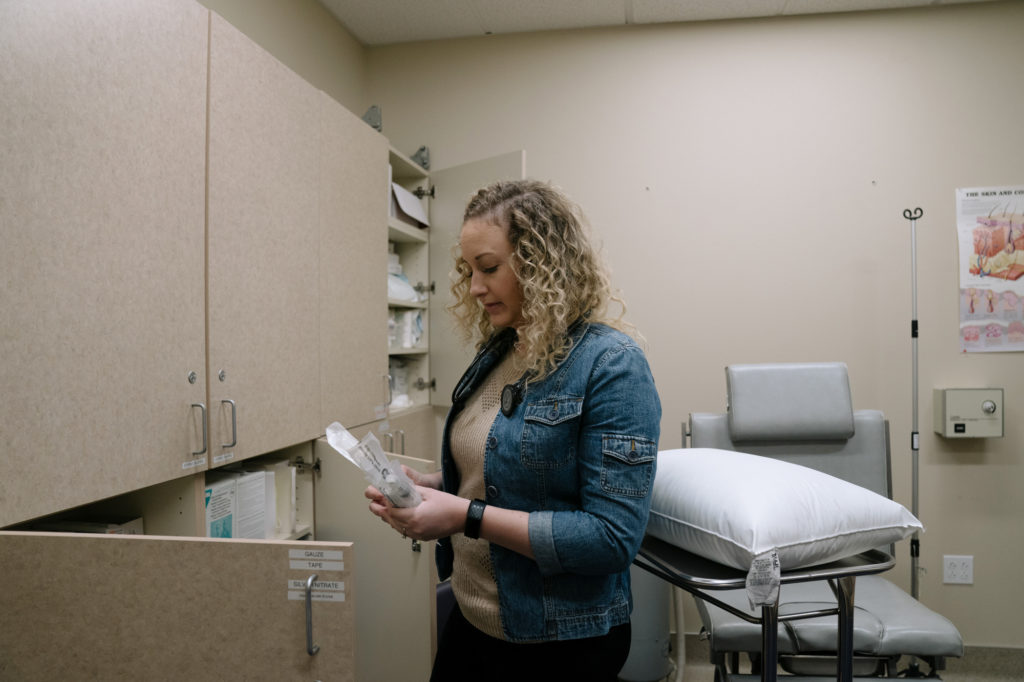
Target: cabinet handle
387	390
203	408
401	450
311	648
234	424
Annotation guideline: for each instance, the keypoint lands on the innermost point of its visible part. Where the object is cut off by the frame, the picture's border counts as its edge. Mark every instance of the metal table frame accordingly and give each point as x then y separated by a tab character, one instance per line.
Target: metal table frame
699	576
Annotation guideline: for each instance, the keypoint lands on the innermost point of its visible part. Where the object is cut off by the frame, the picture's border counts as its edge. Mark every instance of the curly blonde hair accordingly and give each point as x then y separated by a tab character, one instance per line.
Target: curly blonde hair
561	273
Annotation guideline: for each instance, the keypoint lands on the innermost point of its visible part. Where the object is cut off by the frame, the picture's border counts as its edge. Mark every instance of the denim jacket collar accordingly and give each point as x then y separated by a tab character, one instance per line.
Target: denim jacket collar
494	350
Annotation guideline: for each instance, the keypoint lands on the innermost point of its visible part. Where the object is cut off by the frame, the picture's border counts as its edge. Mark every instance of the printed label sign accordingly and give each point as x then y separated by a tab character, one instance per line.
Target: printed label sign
294	595
763	579
316	559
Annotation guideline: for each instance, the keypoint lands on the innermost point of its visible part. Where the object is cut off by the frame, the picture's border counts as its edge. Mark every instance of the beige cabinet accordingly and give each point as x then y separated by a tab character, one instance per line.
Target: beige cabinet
191	247
194	252
415	433
263	250
103	129
157	608
395	609
353	334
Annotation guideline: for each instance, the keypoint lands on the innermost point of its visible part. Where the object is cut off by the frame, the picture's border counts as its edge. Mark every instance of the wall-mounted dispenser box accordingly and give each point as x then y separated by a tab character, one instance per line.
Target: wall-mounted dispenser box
968	412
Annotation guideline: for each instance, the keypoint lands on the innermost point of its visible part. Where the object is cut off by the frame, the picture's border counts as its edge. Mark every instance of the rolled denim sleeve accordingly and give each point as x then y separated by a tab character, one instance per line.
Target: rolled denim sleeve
542	541
616	459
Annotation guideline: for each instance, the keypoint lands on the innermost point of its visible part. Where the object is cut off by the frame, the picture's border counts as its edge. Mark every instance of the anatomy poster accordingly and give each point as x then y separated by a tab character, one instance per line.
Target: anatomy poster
990	232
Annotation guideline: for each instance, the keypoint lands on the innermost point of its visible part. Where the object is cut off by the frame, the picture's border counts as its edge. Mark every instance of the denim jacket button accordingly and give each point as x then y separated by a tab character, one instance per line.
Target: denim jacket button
492	492
492	442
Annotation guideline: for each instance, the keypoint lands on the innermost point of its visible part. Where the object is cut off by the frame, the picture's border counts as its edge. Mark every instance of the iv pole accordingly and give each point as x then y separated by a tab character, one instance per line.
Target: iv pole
915	543
913	670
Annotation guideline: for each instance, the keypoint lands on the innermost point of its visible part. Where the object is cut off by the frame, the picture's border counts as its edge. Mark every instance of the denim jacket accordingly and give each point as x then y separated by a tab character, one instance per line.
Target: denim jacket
579	454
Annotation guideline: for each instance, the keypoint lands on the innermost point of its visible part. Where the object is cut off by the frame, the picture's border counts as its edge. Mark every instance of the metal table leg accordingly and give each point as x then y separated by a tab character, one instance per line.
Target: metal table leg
769	641
844	597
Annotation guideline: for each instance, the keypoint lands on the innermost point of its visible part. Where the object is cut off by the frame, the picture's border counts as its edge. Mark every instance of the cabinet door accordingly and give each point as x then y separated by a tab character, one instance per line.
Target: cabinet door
135	607
353	263
449	356
263	233
102	132
395	611
415	433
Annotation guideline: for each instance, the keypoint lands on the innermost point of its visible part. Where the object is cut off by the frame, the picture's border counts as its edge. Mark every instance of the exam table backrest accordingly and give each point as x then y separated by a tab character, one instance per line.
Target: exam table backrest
800	413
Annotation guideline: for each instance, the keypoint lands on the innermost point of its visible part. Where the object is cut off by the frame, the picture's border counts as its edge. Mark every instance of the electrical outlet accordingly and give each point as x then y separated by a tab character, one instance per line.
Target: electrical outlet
958	569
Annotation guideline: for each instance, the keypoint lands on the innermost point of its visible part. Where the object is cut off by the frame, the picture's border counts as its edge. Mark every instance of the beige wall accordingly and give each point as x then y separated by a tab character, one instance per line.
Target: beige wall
306	38
748	180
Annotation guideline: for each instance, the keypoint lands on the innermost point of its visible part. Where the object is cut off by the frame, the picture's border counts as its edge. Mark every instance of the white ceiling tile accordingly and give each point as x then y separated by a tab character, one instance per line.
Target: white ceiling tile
505	16
820	7
664	11
382	22
817	7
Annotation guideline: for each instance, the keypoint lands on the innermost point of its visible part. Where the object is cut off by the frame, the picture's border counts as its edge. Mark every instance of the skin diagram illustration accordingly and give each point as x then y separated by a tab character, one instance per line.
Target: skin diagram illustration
999	245
990	231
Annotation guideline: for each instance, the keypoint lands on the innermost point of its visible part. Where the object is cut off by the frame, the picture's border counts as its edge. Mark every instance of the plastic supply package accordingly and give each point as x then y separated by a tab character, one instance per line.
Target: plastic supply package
368	455
400	289
411	328
399	383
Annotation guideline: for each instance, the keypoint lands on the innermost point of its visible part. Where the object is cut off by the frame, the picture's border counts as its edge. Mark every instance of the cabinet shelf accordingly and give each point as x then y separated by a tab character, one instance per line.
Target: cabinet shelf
406	234
404	168
408	351
410	367
414	410
396	303
300	533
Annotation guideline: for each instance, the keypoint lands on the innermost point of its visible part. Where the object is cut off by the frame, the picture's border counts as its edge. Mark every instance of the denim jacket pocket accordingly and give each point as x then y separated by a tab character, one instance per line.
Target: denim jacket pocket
550	431
627	465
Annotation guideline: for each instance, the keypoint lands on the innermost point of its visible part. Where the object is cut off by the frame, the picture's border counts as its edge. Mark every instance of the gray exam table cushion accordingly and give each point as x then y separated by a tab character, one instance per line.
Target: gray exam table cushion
887	622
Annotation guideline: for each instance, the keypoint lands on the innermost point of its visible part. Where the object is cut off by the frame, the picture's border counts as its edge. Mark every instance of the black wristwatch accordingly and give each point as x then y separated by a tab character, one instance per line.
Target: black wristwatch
474	515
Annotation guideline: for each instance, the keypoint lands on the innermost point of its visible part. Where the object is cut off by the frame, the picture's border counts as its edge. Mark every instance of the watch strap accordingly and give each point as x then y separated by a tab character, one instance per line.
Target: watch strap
474	515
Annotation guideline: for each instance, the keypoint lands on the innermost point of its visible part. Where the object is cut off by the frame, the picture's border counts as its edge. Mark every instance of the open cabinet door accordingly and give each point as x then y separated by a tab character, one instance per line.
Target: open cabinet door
137	607
449	355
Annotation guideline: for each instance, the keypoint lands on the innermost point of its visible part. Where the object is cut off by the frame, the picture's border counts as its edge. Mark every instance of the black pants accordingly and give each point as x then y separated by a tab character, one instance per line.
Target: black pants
464	653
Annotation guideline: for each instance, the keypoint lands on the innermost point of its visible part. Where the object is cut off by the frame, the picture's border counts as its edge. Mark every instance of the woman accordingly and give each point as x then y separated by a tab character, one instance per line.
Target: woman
548	455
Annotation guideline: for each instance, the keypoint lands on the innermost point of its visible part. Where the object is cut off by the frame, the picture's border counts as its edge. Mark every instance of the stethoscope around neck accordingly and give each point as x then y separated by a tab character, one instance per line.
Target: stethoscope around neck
512	395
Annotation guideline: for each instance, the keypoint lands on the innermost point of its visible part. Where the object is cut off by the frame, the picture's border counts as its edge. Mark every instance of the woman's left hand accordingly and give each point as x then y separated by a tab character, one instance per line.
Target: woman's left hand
439	515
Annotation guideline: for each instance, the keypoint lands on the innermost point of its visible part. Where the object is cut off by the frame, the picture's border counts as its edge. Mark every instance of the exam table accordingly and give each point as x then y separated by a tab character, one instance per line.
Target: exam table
834	620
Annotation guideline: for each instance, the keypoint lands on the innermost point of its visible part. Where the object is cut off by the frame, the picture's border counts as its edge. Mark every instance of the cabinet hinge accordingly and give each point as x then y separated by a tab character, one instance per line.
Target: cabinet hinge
420	287
420	192
301	465
422	383
373	118
422	157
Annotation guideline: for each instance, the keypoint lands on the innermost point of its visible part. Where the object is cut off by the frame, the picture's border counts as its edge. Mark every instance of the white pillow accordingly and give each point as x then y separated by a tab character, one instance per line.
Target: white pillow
731	507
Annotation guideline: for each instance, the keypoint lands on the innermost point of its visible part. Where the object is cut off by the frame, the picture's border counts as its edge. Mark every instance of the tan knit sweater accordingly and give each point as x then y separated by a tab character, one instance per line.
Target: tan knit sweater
473	581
